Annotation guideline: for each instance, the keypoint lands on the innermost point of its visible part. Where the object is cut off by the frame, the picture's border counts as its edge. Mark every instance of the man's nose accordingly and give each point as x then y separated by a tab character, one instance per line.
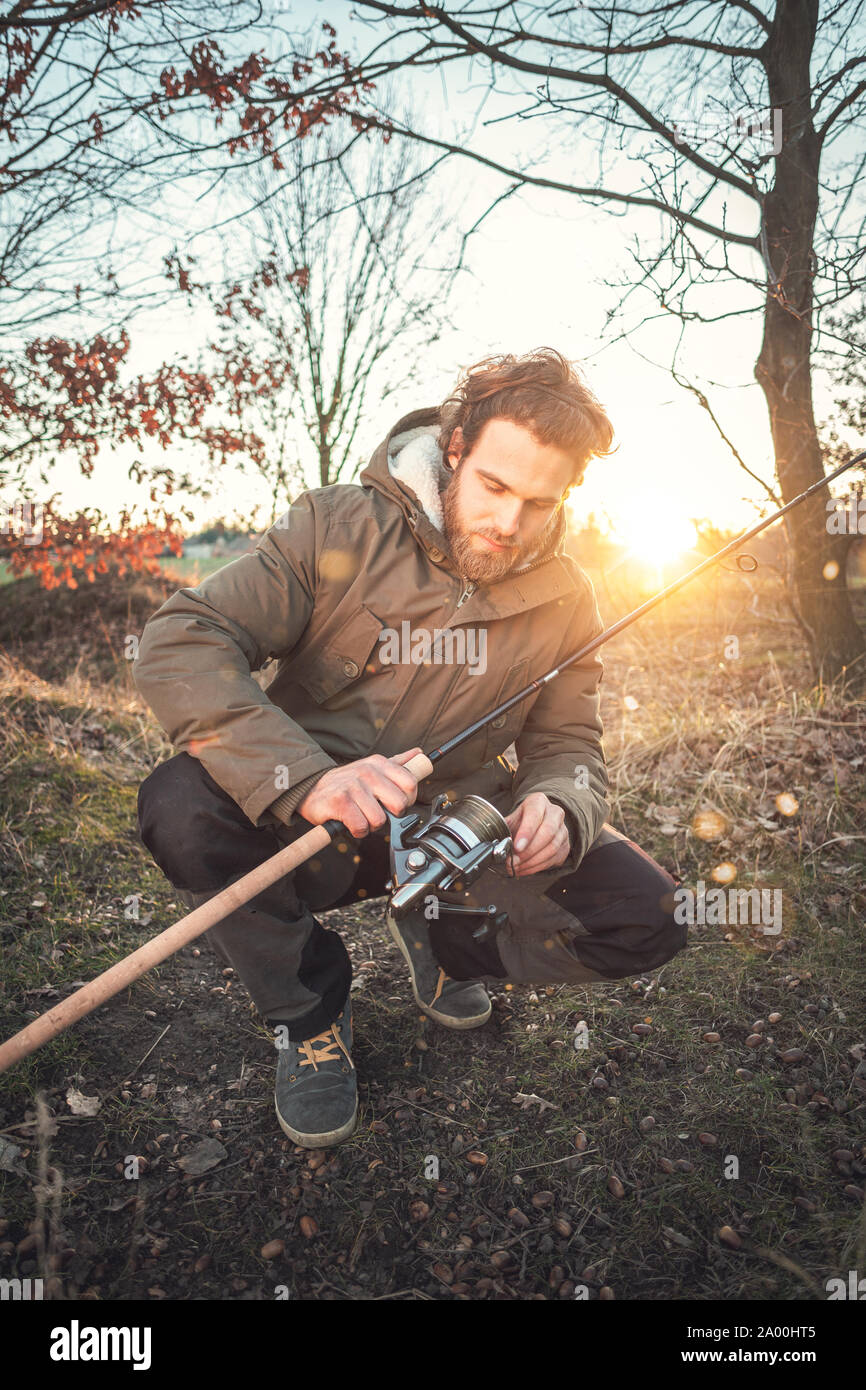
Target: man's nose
508	517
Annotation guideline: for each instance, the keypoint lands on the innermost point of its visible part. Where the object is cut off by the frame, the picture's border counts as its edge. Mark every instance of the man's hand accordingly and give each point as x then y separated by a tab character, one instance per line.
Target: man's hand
356	793
540	834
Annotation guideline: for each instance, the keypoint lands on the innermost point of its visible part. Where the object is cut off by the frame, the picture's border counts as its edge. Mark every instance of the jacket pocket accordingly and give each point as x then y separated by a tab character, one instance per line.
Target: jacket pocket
341	657
503	730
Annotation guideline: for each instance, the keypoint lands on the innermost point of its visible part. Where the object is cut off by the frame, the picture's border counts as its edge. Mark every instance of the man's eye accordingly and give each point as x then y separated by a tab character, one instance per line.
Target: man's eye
495	490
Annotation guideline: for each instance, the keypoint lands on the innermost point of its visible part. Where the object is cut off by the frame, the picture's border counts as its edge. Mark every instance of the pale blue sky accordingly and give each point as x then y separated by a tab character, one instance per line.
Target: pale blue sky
538	266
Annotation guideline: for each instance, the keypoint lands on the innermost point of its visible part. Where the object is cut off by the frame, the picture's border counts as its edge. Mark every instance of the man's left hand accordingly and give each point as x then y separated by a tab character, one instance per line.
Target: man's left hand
540	835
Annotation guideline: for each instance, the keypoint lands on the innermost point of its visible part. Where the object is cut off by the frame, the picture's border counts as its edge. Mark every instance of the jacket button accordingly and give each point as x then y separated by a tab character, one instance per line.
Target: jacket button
436	554
497	723
350	668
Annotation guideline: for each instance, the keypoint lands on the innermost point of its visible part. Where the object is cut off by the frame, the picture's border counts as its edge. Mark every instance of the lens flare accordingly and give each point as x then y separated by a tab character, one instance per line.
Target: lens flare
724	873
787	804
830	570
709	825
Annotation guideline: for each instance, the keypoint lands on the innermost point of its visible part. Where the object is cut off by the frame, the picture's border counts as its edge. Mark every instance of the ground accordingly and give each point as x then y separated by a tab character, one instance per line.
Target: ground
716	1153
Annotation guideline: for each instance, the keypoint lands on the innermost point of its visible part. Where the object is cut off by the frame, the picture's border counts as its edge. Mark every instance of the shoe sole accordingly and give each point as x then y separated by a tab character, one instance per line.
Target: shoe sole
324	1140
447	1020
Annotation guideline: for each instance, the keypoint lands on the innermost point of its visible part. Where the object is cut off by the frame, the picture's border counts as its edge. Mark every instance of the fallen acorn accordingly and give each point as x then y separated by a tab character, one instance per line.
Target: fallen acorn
201	1264
418	1210
476	1158
580	1141
852	1190
614	1186
792	1054
712	1037
556	1276
805	1204
561	1226
730	1237
744	1074
272	1249
518	1218
684	1165
641	1029
646	1124
709	1141
666	1165
309	1227
606	1293
775	1018
442	1272
754	1040
502	1259
541	1199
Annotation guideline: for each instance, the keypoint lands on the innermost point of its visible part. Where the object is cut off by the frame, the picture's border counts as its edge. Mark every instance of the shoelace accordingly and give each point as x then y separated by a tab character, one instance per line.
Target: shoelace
320	1048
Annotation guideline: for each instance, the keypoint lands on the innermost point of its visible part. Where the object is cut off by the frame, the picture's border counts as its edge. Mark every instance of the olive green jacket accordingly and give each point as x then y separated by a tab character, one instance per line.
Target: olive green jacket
340	592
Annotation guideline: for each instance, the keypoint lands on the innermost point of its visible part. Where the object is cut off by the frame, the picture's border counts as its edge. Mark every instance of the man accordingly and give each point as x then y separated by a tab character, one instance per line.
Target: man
455	530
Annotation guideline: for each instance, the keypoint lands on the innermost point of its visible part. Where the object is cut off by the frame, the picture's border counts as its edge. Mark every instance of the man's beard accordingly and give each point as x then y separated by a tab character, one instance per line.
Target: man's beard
497	563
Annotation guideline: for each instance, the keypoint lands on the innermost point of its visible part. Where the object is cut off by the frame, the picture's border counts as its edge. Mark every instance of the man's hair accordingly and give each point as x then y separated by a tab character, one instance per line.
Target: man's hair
540	390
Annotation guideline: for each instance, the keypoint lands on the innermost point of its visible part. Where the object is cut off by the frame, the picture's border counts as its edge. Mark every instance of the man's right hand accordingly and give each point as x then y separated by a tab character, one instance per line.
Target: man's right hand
355	794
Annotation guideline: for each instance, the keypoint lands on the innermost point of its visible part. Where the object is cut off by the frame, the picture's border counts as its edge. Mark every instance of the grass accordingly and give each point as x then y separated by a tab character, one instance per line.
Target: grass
182	1057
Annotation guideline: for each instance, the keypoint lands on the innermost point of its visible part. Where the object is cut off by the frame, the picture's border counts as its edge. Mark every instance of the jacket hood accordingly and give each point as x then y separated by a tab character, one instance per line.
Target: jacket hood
408	467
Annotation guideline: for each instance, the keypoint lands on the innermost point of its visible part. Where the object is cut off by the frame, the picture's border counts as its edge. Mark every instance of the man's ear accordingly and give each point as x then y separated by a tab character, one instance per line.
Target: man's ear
454	452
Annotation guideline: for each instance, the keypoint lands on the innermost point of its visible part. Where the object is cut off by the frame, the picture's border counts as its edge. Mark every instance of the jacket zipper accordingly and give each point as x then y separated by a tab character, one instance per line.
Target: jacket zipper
469	589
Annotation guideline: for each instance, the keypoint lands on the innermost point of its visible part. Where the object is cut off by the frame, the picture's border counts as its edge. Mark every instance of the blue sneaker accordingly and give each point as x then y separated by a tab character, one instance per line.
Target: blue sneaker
453	1003
316	1093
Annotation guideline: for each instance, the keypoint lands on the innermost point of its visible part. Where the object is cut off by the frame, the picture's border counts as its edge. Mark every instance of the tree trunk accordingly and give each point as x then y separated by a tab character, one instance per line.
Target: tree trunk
783	368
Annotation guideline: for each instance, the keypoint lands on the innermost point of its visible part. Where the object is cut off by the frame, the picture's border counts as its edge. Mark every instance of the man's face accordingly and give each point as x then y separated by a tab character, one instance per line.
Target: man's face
504	498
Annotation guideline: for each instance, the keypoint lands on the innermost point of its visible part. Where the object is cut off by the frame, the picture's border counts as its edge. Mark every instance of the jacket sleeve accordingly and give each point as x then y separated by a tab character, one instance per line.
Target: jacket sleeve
559	749
198	652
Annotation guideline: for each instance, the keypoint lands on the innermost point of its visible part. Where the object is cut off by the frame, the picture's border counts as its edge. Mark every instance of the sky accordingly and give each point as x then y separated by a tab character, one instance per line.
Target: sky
542	271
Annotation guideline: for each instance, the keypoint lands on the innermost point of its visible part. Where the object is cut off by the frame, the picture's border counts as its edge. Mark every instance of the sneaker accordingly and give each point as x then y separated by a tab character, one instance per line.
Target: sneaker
454	1003
316	1094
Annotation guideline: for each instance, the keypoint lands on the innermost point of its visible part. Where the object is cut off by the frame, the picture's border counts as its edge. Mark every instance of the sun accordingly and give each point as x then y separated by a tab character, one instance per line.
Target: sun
650	530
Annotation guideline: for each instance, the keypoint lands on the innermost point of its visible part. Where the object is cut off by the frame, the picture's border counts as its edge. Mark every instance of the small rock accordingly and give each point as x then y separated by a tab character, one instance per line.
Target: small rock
730	1237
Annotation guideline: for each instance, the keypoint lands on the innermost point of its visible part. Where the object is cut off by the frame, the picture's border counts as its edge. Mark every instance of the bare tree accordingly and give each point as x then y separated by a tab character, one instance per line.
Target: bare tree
766	200
352	264
381	266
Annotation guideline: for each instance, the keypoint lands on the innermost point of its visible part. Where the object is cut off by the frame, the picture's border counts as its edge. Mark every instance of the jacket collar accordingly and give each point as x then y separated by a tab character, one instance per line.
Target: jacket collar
407	467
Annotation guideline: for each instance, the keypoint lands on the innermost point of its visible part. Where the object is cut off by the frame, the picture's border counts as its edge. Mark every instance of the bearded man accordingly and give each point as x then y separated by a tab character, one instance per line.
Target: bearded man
456	525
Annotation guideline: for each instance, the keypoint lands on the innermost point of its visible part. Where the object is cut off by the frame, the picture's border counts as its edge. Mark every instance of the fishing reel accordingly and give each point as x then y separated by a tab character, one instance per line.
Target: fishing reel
445	845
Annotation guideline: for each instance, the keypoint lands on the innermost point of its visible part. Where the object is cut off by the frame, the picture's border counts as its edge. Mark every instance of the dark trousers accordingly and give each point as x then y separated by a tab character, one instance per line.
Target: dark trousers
609	918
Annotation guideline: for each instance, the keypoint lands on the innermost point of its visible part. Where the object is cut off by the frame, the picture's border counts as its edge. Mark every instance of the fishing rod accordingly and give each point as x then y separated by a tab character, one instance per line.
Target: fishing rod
454	844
